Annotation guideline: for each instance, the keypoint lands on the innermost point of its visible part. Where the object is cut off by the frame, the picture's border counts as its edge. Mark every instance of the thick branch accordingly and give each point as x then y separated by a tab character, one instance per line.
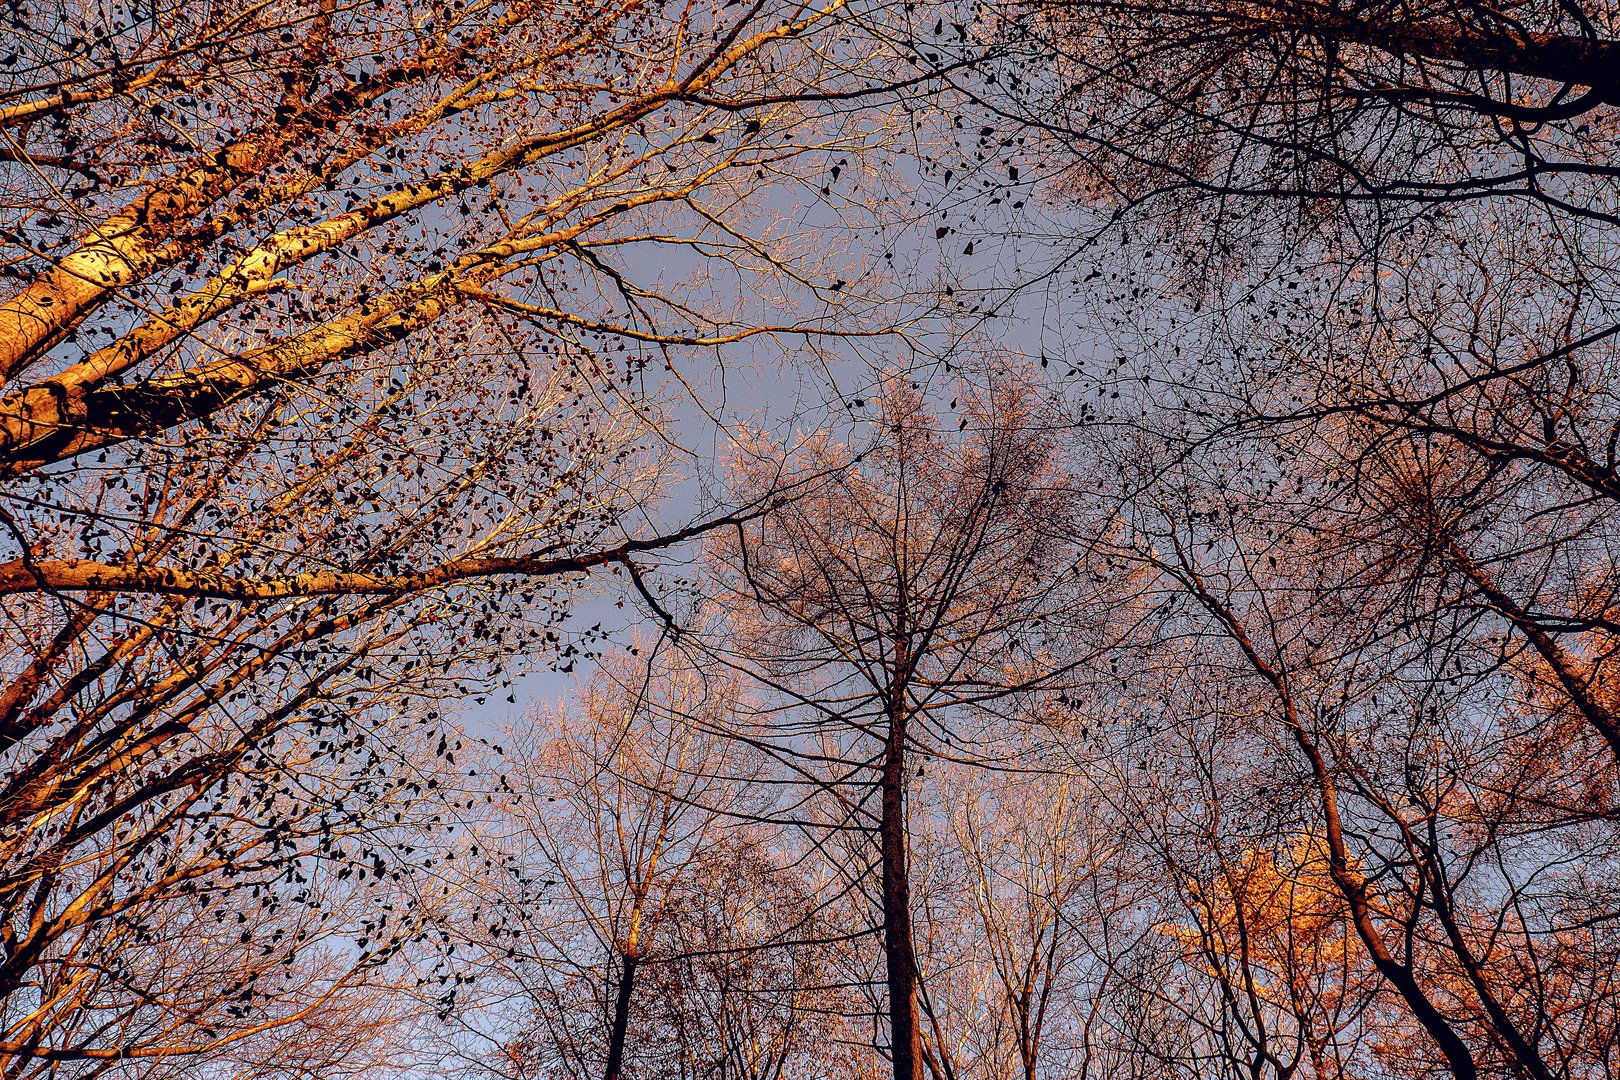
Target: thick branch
83	575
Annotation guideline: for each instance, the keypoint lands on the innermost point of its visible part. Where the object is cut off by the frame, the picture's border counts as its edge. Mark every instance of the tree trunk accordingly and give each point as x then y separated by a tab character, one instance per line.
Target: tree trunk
621	1019
899	952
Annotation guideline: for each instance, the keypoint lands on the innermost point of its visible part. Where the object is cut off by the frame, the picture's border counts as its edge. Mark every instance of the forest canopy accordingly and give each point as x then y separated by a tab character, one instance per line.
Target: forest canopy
1011	538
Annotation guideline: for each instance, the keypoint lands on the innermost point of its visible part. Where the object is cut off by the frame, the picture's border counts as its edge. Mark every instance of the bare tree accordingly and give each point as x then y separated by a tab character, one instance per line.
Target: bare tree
895	609
327	375
1359	737
1014	929
653	927
1379	490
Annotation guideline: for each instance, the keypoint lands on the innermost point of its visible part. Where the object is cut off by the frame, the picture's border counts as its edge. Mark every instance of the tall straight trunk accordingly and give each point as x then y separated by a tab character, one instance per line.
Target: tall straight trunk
621	1019
899	952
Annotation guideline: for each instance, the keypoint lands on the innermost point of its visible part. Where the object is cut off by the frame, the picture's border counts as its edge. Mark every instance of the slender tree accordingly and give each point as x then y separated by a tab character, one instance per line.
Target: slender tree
895	610
652	925
1032	863
1357	719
